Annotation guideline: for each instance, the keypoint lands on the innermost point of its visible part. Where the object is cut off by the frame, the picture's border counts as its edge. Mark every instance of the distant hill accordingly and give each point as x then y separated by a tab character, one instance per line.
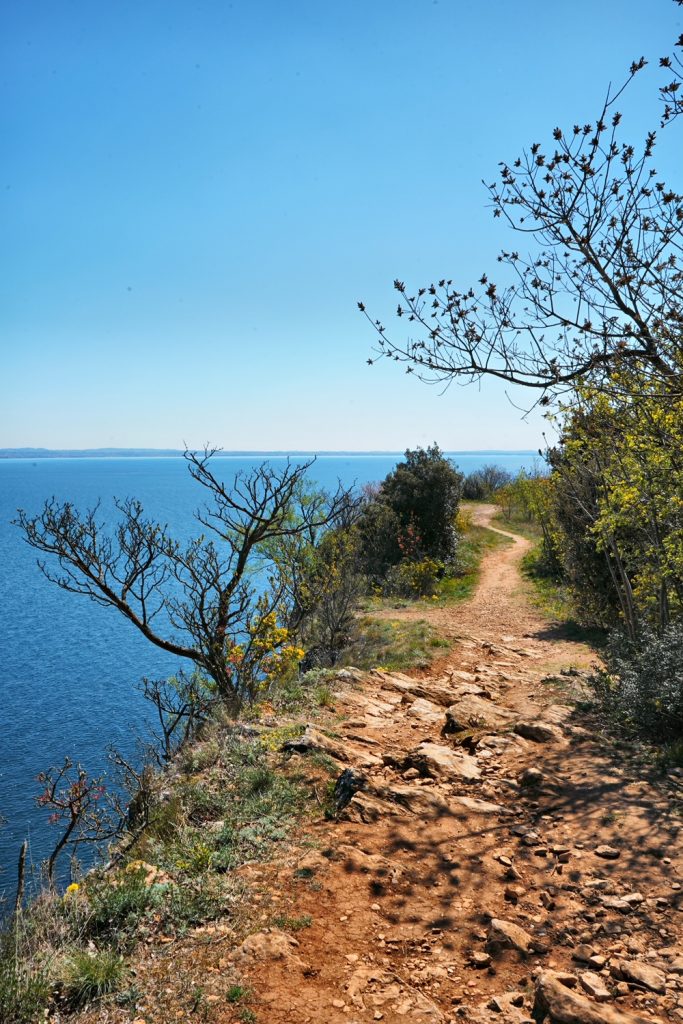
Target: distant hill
169	453
86	453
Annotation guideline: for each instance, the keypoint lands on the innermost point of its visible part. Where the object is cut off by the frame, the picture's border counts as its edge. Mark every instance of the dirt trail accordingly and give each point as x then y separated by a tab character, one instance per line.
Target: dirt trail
501	608
469	866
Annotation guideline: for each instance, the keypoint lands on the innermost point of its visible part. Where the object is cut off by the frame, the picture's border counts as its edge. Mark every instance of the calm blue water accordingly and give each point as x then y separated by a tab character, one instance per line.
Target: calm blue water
69	666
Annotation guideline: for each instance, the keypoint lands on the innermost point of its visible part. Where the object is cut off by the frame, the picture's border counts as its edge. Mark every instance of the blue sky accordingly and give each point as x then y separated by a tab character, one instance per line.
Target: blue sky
196	194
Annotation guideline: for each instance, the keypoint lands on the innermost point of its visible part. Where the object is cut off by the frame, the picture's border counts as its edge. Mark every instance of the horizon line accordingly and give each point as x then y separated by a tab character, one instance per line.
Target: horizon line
140	452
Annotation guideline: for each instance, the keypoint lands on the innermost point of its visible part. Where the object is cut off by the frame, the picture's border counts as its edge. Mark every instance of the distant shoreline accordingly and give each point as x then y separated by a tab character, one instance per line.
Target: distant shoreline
174	453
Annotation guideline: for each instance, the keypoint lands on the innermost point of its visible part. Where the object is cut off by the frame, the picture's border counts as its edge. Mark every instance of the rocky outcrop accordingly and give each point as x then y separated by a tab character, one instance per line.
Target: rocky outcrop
474	712
561	1005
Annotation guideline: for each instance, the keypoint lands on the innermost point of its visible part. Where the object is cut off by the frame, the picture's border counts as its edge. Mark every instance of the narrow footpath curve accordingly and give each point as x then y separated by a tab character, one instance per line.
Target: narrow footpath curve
493	856
502	607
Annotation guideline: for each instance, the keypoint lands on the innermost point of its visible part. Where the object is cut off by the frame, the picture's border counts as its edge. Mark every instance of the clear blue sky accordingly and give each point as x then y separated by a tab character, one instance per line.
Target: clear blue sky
195	195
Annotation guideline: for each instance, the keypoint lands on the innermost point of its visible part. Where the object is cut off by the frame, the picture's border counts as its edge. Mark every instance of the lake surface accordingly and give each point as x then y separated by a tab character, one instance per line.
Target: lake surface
68	666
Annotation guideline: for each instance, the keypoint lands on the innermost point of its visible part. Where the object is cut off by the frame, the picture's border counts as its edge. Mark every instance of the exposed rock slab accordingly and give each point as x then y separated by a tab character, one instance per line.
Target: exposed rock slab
594	985
439	761
556	714
368	863
508	1008
539	731
440	691
424	801
563	1005
366	808
474	712
643	975
474	806
314	739
426	711
372	988
508	935
268	945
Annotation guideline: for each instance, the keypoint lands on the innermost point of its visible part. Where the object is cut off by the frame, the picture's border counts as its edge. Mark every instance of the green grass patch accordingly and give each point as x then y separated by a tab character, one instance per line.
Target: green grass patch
394	644
91	975
517	522
554	601
550	596
24	986
236	993
292	924
312	690
117	904
476	541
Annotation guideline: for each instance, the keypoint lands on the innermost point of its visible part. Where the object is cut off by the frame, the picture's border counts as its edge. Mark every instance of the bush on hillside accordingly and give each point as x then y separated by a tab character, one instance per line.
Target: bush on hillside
483	483
412	515
414	579
643	689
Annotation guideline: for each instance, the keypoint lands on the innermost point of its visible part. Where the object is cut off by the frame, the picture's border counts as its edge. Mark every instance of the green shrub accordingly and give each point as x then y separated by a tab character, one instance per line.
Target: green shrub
192	856
259	780
643	688
236	993
202	803
90	976
424	492
117	904
411	516
198	756
481	484
289	696
324	696
414	579
195	901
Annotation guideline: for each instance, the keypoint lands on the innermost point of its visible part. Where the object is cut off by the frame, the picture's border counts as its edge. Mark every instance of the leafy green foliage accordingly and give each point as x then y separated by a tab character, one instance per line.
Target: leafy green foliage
414	579
412	516
482	484
324	582
643	690
117	905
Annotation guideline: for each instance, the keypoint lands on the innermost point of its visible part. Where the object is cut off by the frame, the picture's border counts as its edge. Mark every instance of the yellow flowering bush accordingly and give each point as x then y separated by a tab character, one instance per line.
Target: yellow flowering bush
265	657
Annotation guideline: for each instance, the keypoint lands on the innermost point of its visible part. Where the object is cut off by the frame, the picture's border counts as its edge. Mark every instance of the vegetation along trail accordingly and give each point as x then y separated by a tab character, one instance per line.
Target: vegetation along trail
501	609
486	855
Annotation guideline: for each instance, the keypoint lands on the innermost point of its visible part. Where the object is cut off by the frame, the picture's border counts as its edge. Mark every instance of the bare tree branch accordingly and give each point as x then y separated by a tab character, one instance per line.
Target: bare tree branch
197	600
602	291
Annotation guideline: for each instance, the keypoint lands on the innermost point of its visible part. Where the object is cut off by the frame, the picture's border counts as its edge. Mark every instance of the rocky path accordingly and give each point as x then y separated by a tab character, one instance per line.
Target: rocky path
490	858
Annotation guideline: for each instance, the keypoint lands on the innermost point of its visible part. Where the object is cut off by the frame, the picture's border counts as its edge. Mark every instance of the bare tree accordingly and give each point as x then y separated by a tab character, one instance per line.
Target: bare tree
602	289
671	92
76	801
133	794
182	703
200	600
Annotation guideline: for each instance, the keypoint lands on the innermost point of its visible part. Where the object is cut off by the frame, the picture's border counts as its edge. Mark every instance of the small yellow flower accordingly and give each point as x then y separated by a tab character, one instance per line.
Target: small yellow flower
72	889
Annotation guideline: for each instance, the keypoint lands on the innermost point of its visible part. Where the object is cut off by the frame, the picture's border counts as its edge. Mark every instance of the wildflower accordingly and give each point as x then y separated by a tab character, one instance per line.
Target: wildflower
72	890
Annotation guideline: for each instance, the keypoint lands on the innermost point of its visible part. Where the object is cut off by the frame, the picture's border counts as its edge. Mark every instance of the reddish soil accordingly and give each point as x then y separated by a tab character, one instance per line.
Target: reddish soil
401	891
385	912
